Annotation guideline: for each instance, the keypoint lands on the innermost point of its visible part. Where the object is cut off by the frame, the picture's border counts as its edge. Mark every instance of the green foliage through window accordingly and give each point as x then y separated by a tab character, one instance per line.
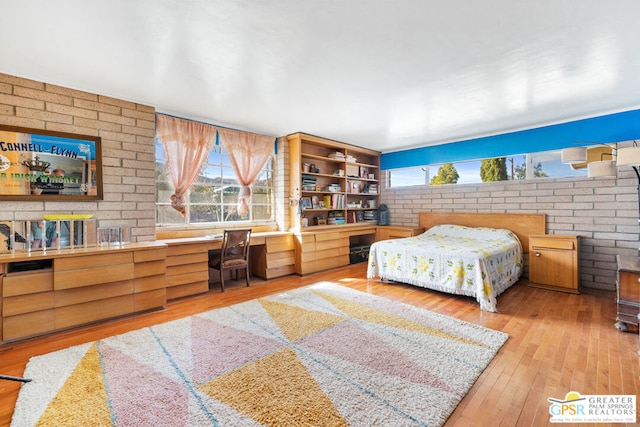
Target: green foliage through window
546	164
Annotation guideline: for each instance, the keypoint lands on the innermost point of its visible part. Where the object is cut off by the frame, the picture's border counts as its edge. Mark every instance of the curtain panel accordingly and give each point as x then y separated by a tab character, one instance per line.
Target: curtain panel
248	153
186	145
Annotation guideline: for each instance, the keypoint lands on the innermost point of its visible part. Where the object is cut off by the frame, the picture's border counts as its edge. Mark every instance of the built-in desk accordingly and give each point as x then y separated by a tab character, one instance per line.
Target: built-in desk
320	248
271	255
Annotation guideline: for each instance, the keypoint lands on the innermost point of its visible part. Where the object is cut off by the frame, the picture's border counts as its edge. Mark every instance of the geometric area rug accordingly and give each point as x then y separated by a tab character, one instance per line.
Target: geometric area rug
319	355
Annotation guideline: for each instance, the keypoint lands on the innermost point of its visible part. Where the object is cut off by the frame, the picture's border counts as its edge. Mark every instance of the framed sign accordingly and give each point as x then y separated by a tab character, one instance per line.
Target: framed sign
43	165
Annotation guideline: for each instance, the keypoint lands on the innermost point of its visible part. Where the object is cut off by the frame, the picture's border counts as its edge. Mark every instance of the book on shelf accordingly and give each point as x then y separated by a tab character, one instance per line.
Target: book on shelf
355	217
338	201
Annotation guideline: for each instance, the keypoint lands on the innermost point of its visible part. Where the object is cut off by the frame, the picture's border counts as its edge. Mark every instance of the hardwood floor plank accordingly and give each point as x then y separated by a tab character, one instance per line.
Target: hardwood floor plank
557	343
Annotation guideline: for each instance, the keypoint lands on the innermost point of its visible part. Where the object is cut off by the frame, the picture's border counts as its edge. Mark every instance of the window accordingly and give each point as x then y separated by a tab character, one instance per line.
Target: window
545	164
213	196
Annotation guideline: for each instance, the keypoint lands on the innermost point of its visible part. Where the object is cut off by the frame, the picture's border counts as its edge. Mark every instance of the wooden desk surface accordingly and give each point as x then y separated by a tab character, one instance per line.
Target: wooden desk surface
257	238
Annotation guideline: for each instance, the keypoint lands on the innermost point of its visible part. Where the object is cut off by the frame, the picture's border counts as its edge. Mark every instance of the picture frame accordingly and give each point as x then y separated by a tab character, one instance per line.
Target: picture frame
305	202
45	165
364	172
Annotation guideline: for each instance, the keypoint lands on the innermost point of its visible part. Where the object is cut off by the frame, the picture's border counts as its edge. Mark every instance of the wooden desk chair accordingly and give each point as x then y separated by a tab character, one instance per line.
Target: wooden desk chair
234	254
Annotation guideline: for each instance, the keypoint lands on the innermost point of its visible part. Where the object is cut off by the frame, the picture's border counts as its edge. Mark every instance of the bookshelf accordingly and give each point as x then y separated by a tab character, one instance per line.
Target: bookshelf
335	183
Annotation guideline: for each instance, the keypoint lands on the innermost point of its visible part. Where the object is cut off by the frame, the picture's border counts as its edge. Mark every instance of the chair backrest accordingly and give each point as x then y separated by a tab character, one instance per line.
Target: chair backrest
235	244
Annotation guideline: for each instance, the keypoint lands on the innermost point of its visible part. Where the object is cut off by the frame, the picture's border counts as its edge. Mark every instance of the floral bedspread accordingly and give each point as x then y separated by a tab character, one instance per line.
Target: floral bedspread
479	262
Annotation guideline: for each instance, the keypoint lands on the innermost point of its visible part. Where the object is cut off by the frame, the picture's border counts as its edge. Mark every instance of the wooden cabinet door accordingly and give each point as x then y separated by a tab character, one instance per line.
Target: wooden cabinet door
551	267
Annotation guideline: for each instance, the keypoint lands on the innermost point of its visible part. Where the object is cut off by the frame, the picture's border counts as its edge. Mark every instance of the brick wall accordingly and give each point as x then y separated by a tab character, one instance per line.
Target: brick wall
603	211
127	130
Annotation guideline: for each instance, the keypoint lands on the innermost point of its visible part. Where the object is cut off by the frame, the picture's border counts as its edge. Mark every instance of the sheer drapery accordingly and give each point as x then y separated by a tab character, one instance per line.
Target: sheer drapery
248	153
186	145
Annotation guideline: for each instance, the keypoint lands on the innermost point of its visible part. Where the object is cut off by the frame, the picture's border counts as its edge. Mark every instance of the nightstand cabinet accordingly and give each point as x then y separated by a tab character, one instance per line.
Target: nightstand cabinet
553	262
628	292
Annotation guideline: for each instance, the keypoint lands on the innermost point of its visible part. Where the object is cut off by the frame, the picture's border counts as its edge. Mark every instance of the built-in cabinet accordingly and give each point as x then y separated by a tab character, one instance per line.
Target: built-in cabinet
57	290
553	262
332	183
323	248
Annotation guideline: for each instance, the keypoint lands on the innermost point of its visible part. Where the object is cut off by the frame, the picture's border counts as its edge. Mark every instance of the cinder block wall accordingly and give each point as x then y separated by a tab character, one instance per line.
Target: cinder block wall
603	211
127	130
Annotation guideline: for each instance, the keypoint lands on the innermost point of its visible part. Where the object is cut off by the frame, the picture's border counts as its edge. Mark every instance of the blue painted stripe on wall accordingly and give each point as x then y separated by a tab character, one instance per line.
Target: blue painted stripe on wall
604	129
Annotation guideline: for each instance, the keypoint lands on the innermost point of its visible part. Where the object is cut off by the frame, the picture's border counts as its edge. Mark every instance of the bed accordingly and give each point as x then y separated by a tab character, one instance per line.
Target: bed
477	255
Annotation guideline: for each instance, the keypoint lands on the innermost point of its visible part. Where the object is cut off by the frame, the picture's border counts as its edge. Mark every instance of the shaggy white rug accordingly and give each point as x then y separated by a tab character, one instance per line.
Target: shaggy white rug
320	355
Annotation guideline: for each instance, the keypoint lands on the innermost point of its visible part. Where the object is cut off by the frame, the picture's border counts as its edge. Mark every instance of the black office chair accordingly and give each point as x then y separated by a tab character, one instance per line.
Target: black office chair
234	254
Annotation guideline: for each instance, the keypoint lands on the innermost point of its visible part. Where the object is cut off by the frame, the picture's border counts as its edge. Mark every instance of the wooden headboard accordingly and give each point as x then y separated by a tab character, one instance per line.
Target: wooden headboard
523	225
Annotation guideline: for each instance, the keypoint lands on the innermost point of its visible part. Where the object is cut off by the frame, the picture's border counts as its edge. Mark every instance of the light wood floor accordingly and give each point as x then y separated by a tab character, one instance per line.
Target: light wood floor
558	343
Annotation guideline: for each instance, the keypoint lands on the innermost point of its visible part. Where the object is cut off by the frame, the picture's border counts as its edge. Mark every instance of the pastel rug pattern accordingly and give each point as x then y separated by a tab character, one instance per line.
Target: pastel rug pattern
319	355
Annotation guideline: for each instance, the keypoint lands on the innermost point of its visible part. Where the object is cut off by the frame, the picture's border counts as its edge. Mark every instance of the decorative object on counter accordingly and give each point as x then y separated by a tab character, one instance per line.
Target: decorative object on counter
54	232
113	235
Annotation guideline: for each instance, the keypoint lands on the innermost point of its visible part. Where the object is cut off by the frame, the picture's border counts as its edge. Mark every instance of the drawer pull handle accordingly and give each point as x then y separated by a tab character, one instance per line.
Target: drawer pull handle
538	254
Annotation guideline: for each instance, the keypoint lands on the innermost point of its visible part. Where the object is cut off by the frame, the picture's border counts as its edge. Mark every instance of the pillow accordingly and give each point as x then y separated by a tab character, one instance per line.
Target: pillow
479	233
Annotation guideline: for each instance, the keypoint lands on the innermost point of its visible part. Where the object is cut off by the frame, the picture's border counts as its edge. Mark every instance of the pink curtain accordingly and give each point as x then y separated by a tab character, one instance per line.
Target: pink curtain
186	145
248	153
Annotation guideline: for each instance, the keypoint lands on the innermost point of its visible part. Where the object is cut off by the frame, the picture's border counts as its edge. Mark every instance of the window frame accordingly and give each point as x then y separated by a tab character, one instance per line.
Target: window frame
225	204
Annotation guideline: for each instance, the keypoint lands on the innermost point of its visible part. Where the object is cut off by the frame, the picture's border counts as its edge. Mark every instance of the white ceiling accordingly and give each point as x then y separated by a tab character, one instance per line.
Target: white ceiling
385	74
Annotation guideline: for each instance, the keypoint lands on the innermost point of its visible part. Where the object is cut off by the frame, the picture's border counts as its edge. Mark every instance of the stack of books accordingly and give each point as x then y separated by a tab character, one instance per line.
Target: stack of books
370	216
308	182
336	218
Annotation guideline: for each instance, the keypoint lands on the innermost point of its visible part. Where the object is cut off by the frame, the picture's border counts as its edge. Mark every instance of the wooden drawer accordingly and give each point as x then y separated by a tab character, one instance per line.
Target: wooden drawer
150	268
22	304
27	282
28	325
148	283
285	270
92	276
187	278
193	248
279	243
195	258
150	300
150	255
328	253
551	243
279	259
79	314
93	293
92	261
179	270
333	244
188	289
321	237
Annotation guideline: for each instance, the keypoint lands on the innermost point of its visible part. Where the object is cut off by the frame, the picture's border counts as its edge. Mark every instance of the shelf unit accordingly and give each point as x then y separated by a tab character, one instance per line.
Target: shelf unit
335	183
